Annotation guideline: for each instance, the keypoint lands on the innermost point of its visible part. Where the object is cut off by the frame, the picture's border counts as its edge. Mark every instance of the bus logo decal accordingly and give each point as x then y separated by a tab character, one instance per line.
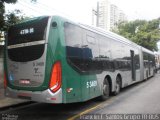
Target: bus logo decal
36	70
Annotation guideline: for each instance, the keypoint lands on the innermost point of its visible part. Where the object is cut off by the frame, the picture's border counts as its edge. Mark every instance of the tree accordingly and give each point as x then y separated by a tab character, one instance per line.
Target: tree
142	32
10	19
13	17
2	11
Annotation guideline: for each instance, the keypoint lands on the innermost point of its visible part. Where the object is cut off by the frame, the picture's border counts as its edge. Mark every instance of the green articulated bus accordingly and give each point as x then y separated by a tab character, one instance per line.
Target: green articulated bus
54	60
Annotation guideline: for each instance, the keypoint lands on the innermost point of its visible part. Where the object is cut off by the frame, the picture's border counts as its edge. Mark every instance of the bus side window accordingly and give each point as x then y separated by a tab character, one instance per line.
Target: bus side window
74	50
73	40
92	43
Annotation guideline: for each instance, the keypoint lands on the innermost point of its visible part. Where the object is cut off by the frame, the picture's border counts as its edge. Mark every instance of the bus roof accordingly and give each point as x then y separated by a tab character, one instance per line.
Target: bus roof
147	51
30	20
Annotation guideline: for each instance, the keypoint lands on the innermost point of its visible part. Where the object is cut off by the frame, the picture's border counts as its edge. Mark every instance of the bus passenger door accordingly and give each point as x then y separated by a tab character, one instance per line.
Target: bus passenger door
149	67
133	70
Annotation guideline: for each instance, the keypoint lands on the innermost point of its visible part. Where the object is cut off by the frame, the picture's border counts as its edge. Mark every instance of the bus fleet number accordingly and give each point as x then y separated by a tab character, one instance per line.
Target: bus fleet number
91	84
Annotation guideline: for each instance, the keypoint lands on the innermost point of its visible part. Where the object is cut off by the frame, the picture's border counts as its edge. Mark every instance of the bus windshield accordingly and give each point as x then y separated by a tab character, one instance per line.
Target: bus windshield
26	40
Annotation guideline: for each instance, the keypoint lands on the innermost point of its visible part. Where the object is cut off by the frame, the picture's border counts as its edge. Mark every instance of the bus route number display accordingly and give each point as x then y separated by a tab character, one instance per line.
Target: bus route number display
27	31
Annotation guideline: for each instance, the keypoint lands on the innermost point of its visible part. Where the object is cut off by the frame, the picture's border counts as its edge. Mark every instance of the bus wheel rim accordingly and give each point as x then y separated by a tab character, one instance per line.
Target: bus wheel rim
117	87
105	90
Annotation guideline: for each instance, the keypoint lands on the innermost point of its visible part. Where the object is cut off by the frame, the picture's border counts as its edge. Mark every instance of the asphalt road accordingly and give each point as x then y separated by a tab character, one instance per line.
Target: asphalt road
143	97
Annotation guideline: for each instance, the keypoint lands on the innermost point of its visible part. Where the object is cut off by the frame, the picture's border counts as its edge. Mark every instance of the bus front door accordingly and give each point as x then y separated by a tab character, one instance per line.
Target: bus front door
133	70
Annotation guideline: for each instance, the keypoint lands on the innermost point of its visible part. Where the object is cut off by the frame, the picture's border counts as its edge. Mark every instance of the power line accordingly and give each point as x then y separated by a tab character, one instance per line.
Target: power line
46	8
28	6
44	5
28	3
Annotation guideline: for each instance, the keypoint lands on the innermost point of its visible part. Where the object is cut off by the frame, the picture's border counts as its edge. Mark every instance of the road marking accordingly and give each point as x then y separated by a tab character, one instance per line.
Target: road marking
100	105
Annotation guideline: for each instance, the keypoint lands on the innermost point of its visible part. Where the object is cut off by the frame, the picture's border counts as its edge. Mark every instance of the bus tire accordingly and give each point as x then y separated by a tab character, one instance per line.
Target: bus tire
105	90
118	86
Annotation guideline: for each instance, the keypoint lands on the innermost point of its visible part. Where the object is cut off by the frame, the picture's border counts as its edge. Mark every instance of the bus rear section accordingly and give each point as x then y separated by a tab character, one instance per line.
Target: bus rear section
26	74
148	63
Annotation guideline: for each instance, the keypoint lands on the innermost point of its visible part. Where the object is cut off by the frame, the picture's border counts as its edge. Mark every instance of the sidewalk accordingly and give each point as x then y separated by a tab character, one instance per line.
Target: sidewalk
6	102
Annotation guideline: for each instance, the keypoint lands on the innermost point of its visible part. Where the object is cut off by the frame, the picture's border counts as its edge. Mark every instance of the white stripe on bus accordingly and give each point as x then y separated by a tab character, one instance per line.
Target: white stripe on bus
26	44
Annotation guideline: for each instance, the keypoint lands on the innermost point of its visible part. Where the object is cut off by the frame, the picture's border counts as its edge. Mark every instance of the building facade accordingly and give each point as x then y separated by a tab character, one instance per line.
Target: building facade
109	15
104	15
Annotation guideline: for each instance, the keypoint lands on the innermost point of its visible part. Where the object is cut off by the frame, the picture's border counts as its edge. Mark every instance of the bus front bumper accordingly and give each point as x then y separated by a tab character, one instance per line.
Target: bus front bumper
39	96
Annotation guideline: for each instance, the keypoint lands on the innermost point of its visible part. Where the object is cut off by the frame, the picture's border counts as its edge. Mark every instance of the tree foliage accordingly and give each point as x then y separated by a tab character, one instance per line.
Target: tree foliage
8	18
142	32
2	11
13	17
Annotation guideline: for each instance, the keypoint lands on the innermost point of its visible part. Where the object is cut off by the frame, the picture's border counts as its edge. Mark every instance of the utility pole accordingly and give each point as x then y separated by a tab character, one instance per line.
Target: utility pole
96	12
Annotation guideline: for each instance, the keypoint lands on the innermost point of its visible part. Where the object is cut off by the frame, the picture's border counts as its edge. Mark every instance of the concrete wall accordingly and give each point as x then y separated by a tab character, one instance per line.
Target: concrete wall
1	67
1	51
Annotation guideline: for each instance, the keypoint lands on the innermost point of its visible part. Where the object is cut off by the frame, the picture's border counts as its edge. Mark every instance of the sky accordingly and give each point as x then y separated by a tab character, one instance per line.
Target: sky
81	10
78	10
